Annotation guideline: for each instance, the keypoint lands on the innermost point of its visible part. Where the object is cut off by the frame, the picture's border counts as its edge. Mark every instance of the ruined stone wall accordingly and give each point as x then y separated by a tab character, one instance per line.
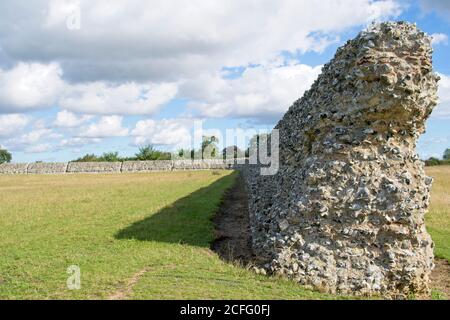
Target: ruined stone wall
47	168
94	167
201	165
142	166
117	167
13	168
345	213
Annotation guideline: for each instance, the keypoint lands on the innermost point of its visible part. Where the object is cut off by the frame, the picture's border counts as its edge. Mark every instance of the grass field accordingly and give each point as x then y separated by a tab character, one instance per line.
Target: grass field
438	218
138	236
134	236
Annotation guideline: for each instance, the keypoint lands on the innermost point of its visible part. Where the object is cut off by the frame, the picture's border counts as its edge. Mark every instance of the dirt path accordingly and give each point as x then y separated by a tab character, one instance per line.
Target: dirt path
232	227
233	237
440	277
124	292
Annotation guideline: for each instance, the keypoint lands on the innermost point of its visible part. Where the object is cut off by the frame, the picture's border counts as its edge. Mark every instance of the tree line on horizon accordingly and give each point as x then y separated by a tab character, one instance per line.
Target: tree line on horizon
436	162
207	150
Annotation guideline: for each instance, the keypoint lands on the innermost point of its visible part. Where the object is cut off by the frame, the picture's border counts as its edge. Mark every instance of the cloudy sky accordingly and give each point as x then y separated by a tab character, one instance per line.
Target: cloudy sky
80	76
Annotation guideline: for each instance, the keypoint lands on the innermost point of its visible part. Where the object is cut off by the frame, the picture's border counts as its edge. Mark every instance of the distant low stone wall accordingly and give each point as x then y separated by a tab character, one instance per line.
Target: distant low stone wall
13	168
94	167
200	165
46	168
146	166
118	167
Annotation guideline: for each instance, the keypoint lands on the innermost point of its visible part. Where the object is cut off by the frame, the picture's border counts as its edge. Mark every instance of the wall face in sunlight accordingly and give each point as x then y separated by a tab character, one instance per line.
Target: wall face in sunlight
115	167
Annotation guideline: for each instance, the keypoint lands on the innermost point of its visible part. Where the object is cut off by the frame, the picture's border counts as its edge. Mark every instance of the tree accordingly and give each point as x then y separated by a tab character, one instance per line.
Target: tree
164	156
87	158
110	157
232	151
447	154
5	156
255	142
209	147
148	152
432	162
186	153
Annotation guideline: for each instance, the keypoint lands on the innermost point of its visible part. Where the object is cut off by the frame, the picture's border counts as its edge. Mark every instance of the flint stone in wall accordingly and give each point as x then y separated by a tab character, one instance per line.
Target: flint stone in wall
198	164
182	165
216	164
233	161
13	168
47	168
117	167
94	167
142	166
345	213
205	164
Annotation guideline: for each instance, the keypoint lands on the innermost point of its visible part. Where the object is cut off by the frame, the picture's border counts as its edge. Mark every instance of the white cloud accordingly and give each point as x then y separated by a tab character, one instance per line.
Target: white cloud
59	10
442	110
262	91
165	40
12	124
265	90
107	126
38	86
67	119
35	136
163	44
40	123
37	140
128	98
170	132
134	57
439	38
29	86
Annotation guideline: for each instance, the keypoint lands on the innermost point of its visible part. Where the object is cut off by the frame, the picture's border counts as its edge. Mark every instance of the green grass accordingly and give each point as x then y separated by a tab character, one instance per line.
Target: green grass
140	236
134	236
438	218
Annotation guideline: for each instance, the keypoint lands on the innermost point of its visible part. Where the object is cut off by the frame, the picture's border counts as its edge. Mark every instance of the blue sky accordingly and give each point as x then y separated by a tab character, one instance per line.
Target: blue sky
79	77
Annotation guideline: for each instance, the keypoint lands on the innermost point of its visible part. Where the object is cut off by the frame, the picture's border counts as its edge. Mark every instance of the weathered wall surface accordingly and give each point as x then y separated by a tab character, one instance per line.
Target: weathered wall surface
94	167
117	167
200	165
47	168
13	168
345	213
143	166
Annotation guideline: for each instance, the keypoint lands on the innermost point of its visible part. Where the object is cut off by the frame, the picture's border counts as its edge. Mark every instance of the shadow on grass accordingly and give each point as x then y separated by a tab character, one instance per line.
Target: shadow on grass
187	221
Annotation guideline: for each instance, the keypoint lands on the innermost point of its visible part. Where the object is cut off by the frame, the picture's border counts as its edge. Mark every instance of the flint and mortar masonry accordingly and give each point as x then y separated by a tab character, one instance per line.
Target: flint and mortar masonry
118	167
345	213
